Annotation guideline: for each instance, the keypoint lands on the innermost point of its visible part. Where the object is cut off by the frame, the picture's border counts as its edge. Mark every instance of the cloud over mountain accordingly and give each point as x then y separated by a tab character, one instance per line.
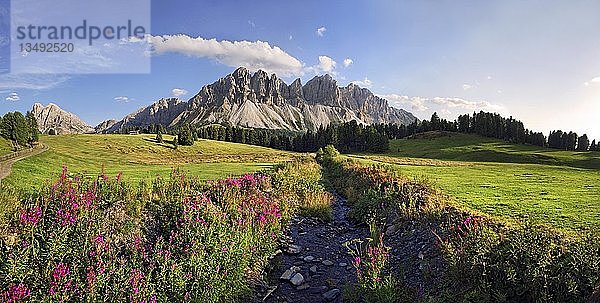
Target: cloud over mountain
252	55
178	92
448	107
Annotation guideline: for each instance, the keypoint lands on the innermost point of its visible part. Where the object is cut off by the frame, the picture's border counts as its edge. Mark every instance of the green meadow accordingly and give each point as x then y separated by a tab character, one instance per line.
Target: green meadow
473	148
546	186
139	157
557	188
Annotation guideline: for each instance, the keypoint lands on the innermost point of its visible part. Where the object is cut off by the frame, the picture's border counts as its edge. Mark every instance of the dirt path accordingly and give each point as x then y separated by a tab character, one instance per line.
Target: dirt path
6	166
315	265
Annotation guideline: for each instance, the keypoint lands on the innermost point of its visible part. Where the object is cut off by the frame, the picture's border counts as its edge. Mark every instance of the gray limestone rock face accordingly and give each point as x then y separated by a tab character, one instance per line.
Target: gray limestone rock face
52	119
262	101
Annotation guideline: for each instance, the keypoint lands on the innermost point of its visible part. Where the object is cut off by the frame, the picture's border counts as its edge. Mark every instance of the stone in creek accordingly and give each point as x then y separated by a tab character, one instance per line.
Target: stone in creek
294	249
297	279
287	275
327	263
313	269
309	258
303	286
332	294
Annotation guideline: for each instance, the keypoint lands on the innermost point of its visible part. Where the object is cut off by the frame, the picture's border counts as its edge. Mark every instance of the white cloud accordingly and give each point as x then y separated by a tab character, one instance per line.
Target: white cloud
465	104
326	64
178	92
31	81
348	62
363	83
416	103
593	81
446	106
467	86
12	97
252	55
489	77
124	99
251	23
291	37
321	31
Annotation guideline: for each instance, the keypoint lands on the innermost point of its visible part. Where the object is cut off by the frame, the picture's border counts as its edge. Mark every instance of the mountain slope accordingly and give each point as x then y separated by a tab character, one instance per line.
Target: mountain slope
263	101
104	125
53	119
163	112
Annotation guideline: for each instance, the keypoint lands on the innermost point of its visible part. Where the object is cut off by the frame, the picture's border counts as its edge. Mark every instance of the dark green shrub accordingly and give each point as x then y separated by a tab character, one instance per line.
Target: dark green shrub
523	264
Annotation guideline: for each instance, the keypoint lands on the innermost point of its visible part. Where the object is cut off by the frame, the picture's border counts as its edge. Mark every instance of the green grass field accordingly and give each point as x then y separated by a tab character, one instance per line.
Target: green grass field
139	157
5	147
471	170
466	147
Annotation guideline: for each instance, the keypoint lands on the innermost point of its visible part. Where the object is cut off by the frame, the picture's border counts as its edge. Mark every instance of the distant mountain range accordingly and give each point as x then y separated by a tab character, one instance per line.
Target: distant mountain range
258	101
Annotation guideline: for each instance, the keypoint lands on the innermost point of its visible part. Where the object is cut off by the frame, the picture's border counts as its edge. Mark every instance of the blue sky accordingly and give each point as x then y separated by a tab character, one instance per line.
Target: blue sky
538	61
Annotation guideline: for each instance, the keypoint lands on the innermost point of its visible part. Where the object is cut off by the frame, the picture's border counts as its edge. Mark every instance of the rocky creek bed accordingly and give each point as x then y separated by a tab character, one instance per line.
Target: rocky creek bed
313	265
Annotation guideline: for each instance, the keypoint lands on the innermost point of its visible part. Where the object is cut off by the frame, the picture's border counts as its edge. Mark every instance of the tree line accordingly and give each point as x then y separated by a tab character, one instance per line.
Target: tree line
354	137
493	125
346	137
21	130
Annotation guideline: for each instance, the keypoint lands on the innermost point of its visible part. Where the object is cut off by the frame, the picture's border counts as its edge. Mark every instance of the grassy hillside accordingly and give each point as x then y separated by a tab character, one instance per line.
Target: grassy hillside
562	197
477	172
5	146
466	147
139	157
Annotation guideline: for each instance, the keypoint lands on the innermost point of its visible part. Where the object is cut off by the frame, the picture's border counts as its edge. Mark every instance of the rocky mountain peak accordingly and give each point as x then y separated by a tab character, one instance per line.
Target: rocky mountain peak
104	125
53	119
322	90
262	101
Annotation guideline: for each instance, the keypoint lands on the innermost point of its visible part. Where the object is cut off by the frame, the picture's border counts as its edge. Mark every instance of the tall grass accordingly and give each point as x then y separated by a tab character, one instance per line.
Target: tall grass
301	183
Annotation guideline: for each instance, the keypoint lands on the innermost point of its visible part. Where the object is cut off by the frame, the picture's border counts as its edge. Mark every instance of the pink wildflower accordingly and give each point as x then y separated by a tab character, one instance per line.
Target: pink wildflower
91	276
60	271
31	216
99	239
16	293
65	217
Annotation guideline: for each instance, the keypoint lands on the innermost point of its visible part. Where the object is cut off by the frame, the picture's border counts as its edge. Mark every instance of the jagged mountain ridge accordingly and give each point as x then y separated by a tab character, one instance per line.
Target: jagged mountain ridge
53	119
263	101
163	111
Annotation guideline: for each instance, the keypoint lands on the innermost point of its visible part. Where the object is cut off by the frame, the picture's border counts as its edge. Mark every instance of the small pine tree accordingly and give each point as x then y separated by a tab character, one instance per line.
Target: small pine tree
583	143
159	137
34	133
175	144
185	136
